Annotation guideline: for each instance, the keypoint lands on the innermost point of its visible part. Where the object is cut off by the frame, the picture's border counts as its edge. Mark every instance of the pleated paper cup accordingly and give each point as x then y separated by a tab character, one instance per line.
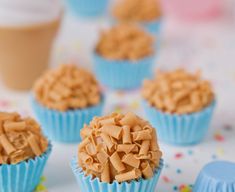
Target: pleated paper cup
64	126
122	74
24	176
218	176
153	27
86	183
87	8
176	129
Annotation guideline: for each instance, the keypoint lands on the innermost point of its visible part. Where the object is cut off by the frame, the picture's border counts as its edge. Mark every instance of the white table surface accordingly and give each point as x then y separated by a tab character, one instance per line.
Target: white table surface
209	46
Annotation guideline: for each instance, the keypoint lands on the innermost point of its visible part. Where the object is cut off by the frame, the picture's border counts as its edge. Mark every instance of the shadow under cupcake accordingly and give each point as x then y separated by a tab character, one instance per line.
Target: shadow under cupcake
24	152
180	105
123	57
64	100
118	153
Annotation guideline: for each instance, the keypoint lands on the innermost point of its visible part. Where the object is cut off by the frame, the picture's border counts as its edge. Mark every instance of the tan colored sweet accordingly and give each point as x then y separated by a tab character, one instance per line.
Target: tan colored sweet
137	10
20	139
178	92
67	87
119	147
125	42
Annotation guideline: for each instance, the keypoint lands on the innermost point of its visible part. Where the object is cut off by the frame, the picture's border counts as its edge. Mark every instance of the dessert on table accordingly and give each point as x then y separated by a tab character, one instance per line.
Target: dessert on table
180	105
123	56
118	152
64	99
146	13
24	151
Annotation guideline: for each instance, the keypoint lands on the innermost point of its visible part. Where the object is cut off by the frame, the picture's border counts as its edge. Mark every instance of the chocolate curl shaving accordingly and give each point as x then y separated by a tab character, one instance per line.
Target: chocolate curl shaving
144	147
44	144
91	172
146	170
62	89
1	160
129	119
7	146
85	158
99	140
141	157
15	126
142	135
136	128
105	174
153	144
18	156
127	148
112	130
102	146
93	140
114	141
107	141
96	167
155	156
135	149
1	128
116	162
91	149
34	145
126	138
134	174
109	121
32	126
55	96
79	102
8	116
85	132
102	156
82	145
129	159
147	127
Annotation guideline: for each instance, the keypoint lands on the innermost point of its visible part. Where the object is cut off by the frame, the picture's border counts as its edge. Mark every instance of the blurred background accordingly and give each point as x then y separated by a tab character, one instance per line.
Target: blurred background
195	34
182	31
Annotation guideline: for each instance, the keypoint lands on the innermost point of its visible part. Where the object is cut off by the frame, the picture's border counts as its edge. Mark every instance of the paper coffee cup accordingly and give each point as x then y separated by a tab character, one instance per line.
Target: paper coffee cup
25	53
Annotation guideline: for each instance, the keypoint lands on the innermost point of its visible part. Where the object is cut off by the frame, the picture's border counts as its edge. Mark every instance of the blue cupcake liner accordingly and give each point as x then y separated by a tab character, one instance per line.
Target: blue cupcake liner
87	183
87	8
176	129
122	74
24	176
153	27
65	126
218	176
